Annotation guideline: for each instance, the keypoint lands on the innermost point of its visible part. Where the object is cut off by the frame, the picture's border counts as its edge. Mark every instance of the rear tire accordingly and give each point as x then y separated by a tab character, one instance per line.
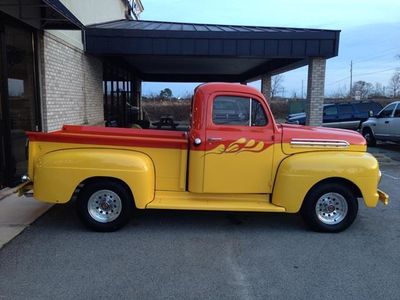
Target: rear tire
104	205
330	207
369	137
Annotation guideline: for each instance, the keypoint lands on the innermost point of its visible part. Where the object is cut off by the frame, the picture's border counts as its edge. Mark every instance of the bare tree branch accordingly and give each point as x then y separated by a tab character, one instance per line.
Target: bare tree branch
276	85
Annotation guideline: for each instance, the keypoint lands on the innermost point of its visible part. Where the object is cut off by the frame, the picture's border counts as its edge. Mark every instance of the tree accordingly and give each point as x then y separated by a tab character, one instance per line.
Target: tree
166	93
379	90
276	85
340	93
394	84
362	88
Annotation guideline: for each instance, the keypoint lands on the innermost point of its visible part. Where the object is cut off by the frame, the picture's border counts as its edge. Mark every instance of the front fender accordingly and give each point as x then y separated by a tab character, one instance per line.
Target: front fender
57	174
298	173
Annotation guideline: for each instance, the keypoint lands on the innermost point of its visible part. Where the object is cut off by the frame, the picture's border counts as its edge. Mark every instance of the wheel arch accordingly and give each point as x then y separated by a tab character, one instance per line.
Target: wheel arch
336	180
94	179
367	127
58	174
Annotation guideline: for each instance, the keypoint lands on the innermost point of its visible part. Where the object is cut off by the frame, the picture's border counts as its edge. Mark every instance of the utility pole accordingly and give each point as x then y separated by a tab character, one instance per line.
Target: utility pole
302	83
351	77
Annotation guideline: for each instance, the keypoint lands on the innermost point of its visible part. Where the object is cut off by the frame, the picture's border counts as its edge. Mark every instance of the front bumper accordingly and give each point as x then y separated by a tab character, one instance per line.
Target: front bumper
383	197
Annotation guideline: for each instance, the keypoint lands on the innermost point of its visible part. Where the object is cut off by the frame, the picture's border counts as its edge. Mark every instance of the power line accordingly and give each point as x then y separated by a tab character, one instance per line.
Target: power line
375	72
374	57
345	78
366	58
361	74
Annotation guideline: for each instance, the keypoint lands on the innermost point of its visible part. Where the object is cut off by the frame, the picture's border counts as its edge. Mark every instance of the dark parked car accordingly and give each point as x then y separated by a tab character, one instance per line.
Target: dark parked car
342	115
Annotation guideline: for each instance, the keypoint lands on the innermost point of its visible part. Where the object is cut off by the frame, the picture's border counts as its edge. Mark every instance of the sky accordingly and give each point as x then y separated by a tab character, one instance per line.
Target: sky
370	34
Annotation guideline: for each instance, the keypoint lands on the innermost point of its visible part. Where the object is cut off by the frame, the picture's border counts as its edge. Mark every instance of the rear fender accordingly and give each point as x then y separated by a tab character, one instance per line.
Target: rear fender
57	174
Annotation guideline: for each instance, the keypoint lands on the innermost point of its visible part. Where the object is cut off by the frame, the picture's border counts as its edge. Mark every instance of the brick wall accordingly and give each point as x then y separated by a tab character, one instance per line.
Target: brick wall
72	91
315	91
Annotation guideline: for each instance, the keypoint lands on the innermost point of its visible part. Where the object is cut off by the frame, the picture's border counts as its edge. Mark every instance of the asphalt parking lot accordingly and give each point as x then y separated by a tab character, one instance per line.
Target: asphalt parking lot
210	255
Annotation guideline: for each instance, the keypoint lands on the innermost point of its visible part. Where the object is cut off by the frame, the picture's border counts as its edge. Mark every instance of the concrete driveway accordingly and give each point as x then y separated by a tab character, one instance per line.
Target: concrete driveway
205	255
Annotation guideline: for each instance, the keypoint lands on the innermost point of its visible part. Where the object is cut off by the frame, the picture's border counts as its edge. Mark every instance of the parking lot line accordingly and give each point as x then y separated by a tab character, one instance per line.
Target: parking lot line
390	176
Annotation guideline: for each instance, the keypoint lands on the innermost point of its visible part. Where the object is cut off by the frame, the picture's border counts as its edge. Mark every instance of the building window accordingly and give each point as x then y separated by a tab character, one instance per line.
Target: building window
120	109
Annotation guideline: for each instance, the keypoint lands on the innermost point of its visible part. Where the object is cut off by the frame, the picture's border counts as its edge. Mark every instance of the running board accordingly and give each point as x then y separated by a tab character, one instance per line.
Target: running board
224	202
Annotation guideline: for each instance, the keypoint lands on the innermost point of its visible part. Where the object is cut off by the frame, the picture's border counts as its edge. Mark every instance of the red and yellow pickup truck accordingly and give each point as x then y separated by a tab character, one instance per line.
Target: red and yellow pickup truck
234	157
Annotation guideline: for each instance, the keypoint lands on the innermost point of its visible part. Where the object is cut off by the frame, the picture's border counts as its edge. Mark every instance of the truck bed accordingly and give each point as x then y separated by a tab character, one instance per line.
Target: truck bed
167	149
114	136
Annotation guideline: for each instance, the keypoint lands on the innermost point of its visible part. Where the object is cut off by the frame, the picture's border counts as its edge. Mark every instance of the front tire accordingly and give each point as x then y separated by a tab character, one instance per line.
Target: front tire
330	207
104	205
369	137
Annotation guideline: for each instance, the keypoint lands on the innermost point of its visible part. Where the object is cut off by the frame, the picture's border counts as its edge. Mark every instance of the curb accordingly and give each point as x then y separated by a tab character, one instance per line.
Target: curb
17	213
6	192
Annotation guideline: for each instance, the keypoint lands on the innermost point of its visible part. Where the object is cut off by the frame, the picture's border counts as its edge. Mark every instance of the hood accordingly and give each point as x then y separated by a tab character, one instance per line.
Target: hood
297	138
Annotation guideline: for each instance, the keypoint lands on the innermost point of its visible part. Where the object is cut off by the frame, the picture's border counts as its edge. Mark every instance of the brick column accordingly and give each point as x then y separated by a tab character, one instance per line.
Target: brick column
266	86
315	91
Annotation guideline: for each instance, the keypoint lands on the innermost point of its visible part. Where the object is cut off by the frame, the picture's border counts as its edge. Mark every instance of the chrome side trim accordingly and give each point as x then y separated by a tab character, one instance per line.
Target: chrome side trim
319	143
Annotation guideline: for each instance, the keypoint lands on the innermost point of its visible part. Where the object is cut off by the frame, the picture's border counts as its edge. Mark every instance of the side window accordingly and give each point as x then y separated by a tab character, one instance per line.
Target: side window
387	111
330	110
231	110
366	107
397	111
345	109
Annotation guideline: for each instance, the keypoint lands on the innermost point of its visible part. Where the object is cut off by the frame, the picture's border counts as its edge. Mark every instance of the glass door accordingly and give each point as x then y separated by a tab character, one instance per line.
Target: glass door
18	98
3	91
21	94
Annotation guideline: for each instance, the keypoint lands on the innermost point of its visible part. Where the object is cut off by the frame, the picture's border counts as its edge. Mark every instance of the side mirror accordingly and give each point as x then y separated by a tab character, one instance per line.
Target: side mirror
371	114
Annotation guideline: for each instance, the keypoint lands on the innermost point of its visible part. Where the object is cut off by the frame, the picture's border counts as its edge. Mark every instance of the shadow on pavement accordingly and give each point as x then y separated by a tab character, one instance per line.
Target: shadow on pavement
64	218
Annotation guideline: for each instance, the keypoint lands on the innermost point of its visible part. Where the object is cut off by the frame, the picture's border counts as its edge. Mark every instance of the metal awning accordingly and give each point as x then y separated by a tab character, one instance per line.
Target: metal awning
184	52
57	16
52	14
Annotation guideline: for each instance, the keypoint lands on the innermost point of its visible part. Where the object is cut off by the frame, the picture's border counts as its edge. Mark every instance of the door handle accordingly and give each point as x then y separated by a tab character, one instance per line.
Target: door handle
214	139
386	122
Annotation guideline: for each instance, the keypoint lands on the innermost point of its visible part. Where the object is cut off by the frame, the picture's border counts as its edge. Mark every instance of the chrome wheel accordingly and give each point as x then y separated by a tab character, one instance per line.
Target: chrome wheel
104	206
331	208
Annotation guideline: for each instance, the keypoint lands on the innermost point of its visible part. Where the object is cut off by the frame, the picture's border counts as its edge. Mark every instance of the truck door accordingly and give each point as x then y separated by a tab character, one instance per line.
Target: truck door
238	149
384	122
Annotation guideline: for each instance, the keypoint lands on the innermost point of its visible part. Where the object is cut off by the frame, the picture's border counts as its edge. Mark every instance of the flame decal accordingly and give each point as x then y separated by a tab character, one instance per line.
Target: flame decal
238	146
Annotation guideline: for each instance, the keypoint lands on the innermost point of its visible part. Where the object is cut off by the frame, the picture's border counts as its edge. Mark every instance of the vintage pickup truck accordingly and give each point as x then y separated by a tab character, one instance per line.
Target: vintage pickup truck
233	158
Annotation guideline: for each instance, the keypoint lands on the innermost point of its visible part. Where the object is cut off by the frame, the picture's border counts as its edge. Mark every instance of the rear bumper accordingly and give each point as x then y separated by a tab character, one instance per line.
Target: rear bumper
383	197
24	189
